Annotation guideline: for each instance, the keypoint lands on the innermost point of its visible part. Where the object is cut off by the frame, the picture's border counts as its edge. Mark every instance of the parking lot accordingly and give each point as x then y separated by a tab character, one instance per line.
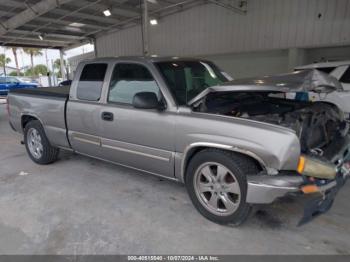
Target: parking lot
84	206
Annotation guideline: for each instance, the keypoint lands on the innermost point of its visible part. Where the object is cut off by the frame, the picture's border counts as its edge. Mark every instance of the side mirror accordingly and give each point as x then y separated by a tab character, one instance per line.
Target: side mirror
146	100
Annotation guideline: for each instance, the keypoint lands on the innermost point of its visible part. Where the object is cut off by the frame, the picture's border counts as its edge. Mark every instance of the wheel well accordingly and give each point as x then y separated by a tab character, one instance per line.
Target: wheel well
26	119
192	152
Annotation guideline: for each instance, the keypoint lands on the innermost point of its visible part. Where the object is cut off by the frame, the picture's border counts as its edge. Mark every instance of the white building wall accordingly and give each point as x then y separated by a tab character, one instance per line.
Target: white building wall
249	64
244	45
211	29
124	42
75	60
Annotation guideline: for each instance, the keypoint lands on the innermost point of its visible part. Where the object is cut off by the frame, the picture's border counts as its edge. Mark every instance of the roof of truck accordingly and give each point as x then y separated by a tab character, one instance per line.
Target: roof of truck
152	58
324	64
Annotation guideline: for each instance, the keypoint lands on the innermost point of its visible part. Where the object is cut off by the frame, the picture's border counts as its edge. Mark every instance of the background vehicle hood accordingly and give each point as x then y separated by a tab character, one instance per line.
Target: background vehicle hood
299	81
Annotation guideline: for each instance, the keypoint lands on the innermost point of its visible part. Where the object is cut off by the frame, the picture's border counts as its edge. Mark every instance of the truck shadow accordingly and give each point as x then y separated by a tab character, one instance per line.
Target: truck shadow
284	213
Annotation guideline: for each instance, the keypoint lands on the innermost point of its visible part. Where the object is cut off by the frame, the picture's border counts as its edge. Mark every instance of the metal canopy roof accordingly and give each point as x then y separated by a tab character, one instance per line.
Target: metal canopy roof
68	23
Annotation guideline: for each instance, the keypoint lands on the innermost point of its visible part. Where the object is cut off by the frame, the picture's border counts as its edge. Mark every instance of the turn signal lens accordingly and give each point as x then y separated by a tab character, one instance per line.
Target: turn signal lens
310	189
301	165
313	167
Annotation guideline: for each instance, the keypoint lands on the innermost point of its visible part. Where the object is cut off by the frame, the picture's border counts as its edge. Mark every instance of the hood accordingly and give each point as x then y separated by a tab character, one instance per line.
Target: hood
299	81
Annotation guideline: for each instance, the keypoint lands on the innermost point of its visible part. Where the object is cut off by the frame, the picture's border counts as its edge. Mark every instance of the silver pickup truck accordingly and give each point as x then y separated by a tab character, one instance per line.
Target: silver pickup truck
233	143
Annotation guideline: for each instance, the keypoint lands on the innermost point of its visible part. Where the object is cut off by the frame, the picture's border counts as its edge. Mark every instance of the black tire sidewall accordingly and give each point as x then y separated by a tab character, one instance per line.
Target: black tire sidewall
241	213
49	153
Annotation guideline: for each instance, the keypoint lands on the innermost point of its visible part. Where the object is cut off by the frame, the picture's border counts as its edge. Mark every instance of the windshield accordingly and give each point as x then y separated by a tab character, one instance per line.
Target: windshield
186	79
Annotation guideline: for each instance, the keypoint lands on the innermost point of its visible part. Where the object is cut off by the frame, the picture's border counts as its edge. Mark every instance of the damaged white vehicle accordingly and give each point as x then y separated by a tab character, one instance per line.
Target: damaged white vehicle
341	71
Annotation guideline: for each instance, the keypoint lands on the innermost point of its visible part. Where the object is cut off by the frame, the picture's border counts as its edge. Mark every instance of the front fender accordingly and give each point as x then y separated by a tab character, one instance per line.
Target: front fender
274	147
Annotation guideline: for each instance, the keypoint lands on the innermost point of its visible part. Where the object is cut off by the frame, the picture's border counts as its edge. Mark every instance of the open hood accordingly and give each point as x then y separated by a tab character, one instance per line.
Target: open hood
298	81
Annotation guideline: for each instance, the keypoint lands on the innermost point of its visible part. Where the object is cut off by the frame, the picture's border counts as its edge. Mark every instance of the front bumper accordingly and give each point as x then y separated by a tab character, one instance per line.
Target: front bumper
265	189
317	204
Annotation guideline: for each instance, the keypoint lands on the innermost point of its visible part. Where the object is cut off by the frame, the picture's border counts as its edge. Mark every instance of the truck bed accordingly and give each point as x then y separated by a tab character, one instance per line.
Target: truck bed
47	104
57	92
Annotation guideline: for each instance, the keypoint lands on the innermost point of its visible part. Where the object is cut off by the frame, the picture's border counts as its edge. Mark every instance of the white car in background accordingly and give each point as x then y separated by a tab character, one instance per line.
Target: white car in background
341	71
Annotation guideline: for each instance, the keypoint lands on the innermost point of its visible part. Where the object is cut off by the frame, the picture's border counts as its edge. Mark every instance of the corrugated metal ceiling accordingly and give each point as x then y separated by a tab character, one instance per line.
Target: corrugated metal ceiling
65	23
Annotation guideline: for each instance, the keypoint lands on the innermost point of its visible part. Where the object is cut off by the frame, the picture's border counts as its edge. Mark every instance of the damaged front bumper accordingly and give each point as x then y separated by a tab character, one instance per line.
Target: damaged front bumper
317	195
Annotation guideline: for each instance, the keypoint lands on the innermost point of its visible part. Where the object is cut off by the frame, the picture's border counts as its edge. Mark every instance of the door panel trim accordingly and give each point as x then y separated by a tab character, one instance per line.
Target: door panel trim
146	151
131	167
154	153
86	138
136	152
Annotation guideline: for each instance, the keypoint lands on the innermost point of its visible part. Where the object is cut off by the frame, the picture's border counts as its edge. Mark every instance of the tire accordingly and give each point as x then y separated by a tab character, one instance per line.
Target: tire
37	145
229	206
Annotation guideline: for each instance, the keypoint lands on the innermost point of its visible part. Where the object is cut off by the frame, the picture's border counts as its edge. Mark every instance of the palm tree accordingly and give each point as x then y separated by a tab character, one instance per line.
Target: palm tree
57	66
14	51
32	52
4	61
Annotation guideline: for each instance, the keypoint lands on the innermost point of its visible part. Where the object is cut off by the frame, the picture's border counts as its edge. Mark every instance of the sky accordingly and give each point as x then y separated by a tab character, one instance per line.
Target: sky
52	55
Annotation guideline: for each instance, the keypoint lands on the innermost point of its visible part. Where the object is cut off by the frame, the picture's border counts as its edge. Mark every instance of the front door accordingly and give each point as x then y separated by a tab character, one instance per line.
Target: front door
139	138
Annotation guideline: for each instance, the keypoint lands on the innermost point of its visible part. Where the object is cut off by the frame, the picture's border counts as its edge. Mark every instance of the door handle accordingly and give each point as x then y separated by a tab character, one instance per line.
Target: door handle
107	116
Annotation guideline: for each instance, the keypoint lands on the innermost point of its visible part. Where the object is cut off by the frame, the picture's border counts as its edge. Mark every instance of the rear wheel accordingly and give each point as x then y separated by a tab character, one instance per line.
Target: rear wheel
217	185
38	146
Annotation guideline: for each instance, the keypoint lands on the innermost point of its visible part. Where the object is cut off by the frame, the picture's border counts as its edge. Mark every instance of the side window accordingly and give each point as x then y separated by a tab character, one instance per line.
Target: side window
91	82
345	78
129	79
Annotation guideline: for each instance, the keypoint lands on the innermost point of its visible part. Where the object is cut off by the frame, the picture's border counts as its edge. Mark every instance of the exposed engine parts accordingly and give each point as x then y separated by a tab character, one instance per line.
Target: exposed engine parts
316	124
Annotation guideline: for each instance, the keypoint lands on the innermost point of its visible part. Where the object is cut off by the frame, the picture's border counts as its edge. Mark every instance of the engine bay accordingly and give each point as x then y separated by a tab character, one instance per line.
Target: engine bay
316	124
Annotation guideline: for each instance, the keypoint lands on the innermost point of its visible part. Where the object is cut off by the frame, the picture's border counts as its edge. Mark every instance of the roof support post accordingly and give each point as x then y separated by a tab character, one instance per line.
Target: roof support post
63	70
95	47
145	34
296	57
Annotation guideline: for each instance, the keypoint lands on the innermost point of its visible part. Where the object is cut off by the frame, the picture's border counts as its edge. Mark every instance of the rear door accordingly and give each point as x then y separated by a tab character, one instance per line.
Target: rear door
84	107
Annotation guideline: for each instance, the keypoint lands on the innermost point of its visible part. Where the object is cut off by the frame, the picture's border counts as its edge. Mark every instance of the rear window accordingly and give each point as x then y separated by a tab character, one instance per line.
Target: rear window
91	82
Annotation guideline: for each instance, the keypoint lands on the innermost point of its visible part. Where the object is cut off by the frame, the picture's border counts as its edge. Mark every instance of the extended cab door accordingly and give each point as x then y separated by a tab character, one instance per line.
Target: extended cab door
84	107
139	138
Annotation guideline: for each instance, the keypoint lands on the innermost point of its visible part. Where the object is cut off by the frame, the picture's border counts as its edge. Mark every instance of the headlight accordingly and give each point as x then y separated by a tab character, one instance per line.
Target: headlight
315	168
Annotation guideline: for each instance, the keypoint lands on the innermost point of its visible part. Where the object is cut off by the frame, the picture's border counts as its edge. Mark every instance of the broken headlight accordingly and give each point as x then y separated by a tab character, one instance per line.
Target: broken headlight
315	168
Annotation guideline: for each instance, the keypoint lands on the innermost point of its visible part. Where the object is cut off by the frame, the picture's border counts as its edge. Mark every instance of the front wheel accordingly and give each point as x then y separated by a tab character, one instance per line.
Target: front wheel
38	146
217	185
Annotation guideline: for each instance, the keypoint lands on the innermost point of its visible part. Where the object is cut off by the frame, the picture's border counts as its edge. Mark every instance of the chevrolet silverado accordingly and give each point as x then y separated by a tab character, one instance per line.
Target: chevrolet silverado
233	143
